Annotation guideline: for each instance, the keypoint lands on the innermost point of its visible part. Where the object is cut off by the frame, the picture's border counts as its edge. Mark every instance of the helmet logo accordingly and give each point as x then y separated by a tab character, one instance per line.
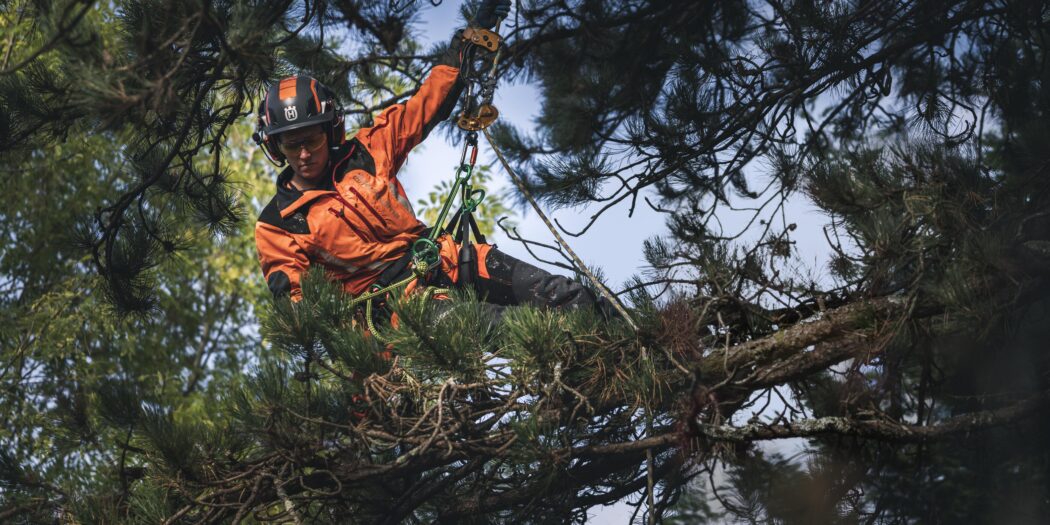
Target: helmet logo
290	113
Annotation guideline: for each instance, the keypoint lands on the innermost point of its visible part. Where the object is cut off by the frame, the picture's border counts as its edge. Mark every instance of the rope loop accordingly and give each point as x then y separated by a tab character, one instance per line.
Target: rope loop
425	254
472	203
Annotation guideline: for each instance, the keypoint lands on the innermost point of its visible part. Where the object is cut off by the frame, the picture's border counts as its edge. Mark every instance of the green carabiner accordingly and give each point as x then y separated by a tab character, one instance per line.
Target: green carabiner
425	252
465	171
472	202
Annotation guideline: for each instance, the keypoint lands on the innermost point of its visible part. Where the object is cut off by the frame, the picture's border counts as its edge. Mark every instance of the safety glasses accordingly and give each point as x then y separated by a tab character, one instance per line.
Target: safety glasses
311	144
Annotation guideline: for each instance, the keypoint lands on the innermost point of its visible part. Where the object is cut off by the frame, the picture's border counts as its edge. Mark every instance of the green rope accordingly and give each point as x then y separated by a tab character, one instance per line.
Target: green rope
428	292
381	291
372	327
462	179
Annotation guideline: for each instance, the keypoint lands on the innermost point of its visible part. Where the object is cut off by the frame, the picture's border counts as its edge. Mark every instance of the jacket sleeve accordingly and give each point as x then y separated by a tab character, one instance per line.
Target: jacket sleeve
283	261
401	127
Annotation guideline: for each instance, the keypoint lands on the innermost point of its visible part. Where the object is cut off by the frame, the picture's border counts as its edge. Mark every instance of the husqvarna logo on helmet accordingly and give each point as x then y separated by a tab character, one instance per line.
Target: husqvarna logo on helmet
290	113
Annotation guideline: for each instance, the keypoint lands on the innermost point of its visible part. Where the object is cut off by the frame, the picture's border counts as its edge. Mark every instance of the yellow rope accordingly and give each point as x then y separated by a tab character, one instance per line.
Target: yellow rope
427	292
419	269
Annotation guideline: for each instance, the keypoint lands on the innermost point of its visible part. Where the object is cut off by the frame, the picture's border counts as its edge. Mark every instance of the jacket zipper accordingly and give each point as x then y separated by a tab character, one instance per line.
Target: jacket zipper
367	205
342	215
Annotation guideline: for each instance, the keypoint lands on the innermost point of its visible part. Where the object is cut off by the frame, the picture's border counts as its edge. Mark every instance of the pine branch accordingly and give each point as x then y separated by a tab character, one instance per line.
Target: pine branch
882	429
830	326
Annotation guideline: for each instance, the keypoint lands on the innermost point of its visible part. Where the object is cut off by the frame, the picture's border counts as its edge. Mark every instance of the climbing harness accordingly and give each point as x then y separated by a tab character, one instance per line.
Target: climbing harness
478	114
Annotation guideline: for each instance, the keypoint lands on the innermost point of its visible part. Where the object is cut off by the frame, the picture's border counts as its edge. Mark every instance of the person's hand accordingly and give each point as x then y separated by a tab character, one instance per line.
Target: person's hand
491	11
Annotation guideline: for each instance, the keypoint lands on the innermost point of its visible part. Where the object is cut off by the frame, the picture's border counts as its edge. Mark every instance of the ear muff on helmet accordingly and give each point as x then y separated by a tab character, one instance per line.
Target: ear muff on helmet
293	103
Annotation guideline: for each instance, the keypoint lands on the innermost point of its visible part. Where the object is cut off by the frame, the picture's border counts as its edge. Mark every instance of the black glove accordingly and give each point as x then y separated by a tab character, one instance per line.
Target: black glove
491	11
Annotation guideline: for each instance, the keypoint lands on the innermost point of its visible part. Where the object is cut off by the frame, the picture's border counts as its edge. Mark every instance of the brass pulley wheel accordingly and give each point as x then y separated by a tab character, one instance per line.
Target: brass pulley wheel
482	37
487	114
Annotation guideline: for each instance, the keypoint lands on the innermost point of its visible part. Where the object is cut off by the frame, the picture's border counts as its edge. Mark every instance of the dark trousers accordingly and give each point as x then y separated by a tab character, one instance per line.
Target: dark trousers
511	282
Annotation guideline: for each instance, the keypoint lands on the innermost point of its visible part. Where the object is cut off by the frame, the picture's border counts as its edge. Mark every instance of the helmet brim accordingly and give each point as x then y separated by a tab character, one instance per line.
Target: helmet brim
324	118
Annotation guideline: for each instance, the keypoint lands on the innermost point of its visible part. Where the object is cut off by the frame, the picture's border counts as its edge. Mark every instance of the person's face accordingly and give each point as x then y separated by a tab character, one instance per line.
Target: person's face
307	152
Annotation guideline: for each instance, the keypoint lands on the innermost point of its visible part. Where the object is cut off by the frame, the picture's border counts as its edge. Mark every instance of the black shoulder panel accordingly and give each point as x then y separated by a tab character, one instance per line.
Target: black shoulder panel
445	110
451	57
358	159
296	223
279	284
270	215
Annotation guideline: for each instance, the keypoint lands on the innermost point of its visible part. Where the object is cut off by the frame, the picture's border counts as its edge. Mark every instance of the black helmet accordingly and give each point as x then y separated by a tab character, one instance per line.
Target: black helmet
293	103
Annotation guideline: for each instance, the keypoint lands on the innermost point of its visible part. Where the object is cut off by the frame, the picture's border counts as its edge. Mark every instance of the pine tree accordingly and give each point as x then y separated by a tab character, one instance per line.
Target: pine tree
73	371
915	373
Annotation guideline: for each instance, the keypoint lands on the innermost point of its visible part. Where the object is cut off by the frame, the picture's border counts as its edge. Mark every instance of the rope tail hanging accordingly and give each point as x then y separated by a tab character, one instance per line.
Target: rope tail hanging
606	293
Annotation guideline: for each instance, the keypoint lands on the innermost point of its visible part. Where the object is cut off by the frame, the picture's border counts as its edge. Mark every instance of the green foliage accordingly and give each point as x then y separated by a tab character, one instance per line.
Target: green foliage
450	339
452	356
919	128
75	375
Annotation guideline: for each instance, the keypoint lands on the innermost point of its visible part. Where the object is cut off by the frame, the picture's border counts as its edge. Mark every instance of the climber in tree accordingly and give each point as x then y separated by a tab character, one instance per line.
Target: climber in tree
339	203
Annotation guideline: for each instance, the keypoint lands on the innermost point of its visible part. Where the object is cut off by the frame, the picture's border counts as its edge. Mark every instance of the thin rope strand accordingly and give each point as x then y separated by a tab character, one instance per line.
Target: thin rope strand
576	259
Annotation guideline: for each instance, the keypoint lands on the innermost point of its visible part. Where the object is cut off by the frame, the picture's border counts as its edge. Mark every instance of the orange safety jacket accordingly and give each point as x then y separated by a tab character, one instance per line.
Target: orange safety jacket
360	220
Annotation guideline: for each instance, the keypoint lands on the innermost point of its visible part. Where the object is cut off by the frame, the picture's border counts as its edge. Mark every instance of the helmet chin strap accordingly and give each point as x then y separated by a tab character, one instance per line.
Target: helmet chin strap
261	141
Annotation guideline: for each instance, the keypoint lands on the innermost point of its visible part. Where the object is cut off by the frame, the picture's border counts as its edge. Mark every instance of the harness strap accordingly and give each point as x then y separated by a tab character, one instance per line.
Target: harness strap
476	229
468	268
395	271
